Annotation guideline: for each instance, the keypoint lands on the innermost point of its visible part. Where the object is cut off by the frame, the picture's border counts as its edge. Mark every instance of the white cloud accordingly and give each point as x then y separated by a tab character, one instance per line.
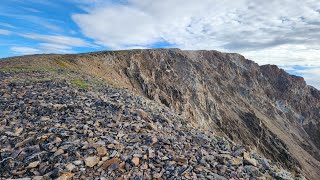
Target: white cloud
42	2
43	48
113	33
55	48
6	25
5	32
33	10
50	24
24	50
58	39
281	32
209	24
51	44
286	55
312	76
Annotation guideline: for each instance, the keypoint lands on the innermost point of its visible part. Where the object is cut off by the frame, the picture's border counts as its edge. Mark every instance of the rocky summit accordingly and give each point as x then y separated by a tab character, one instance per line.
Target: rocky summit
155	114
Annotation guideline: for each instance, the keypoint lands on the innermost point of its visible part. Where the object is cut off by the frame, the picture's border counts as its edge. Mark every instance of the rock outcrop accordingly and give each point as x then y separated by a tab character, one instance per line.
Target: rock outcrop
262	107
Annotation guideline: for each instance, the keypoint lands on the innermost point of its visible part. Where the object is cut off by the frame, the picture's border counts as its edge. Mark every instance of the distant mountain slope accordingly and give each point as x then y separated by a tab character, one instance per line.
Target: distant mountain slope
261	106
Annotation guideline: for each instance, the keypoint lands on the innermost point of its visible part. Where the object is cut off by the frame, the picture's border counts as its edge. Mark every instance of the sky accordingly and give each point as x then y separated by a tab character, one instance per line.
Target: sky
281	32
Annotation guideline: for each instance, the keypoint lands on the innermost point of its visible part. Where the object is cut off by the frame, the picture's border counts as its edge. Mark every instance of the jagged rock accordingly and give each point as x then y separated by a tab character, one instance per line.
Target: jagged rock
58	152
238	152
18	131
65	176
113	166
58	106
236	162
33	164
157	175
109	162
181	161
218	177
102	151
92	161
78	162
265	164
253	171
143	114
248	160
136	161
70	167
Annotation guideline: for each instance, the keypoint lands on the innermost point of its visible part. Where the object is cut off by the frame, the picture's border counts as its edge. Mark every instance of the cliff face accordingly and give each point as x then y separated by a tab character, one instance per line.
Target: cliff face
260	106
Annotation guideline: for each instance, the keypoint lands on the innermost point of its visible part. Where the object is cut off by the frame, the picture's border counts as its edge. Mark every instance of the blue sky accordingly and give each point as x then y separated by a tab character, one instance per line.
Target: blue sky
281	32
40	26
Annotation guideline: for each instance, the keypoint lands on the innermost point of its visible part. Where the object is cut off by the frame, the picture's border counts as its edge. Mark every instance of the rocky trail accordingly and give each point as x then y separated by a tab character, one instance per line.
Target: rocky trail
58	129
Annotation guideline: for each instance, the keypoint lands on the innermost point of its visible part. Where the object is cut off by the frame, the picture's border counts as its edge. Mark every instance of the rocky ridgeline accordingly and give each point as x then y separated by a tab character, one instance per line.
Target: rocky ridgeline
51	129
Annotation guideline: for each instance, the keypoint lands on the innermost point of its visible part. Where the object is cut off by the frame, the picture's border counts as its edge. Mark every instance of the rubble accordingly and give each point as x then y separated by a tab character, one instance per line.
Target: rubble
58	131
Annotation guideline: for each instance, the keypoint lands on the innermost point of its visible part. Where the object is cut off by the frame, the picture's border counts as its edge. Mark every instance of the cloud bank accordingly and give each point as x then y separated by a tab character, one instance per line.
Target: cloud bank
281	32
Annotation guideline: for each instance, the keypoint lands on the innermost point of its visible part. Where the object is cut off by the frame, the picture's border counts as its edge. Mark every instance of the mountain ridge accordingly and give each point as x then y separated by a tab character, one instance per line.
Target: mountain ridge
174	49
263	107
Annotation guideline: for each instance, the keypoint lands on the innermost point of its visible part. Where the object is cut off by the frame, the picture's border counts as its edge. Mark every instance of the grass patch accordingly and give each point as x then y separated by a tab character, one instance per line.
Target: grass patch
80	83
18	69
31	80
13	69
62	62
36	80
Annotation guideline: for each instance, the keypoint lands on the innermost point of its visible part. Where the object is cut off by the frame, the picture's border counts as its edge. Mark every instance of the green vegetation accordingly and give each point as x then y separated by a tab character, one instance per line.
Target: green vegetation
29	80
80	83
17	69
13	69
62	62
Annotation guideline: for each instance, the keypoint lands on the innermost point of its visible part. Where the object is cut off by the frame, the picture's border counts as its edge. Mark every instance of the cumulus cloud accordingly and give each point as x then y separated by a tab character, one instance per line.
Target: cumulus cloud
281	32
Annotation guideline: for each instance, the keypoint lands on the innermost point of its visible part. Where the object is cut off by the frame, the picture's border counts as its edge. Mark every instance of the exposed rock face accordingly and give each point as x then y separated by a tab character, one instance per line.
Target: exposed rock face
260	106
